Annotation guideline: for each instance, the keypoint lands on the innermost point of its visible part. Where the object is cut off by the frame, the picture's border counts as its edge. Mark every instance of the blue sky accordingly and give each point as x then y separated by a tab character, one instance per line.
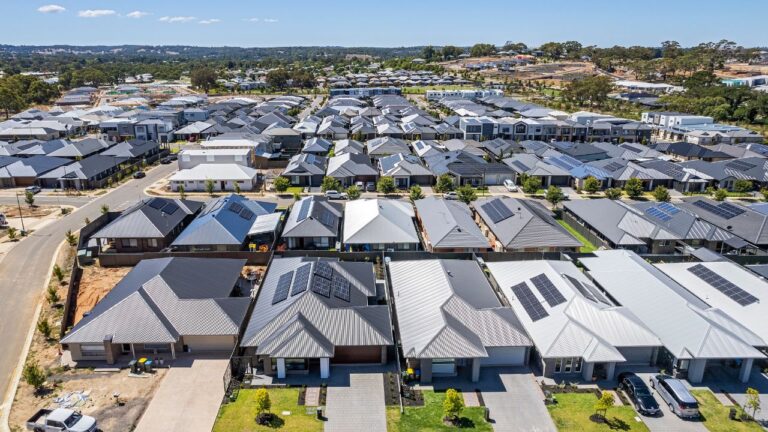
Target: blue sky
260	23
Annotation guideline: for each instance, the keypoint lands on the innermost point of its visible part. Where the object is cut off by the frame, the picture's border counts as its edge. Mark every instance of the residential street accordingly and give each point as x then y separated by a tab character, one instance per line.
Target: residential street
26	267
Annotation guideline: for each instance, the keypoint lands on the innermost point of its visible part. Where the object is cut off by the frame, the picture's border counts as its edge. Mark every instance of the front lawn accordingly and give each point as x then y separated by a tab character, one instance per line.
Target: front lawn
241	414
430	417
572	412
715	415
588	246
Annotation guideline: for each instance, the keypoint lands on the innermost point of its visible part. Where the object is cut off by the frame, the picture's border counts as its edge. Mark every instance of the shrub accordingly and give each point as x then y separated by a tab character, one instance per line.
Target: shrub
386	185
353	192
415	193
531	185
452	405
44	327
34	375
741	186
466	194
58	273
591	185
330	183
661	194
613	193
634	187
52	295
70	238
281	184
720	195
209	186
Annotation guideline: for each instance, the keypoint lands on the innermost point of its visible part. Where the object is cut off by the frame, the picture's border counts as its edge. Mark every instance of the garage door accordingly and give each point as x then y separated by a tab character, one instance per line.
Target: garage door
637	355
504	356
209	343
357	354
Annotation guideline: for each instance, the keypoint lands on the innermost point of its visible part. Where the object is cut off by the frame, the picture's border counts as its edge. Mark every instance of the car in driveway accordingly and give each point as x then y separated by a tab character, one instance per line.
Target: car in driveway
370	187
510	186
335	195
639	394
674	393
34	189
451	195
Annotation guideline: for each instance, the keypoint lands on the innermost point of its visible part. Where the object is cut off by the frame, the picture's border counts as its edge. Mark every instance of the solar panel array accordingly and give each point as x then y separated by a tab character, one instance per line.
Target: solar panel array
246	214
157	203
303	210
551	295
740	165
658	214
529	302
301	280
323	269
283	287
723	210
520	166
340	286
613	166
235	207
668	208
588	291
723	285
322	286
496	210
167	207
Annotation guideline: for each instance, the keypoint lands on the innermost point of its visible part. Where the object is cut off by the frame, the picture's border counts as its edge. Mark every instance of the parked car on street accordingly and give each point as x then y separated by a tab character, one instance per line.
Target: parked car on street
34	189
639	393
333	194
451	195
61	420
166	160
676	395
139	174
510	185
3	221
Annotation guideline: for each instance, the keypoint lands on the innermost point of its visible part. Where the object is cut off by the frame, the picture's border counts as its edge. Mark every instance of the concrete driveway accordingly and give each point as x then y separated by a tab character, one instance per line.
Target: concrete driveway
355	401
668	422
188	399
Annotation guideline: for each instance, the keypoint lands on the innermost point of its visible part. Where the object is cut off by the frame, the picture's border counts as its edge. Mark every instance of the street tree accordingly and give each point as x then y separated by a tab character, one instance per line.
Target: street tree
386	185
591	185
281	184
330	183
531	185
353	192
466	194
555	196
633	187
661	194
415	193
613	193
444	183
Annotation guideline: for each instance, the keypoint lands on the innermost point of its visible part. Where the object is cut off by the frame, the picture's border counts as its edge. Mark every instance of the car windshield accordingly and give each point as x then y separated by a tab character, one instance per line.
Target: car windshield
73	419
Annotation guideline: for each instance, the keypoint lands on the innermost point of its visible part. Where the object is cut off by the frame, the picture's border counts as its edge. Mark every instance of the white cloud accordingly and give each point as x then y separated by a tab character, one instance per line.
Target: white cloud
51	8
137	14
95	13
210	21
175	19
270	20
251	19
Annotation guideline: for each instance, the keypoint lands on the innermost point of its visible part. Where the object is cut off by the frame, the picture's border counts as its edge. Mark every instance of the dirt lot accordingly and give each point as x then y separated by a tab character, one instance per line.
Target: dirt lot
27	211
94	285
740	70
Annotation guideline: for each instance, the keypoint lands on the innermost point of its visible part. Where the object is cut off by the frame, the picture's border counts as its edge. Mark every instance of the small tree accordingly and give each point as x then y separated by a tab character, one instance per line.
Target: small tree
104	209
452	405
182	192
531	185
209	186
633	187
466	194
415	193
330	183
605	402
753	401
720	195
661	194
58	273
591	185
52	295
613	193
353	192
29	198
12	233
34	375
70	238
296	196
555	196
237	188
281	184
444	184
386	185
44	327
742	186
262	404
764	192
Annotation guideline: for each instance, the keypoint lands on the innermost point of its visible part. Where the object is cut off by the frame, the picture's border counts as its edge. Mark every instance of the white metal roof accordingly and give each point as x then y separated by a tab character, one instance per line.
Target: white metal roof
215	172
371	221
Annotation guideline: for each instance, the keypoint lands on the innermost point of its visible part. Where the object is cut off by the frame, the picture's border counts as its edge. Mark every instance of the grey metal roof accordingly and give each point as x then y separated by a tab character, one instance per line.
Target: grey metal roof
165	298
350	165
386	146
322	220
32	166
750	225
449	224
379	221
306	164
447	309
144	221
308	324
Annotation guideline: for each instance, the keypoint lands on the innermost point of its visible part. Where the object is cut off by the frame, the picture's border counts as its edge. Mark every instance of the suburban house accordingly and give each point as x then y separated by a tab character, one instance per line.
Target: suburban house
165	306
311	313
520	225
222	177
693	333
89	173
578	332
406	170
348	146
349	168
313	223
450	320
378	225
448	226
385	146
306	169
231	223
550	174
469	169
134	151
190	158
25	171
740	221
150	225
318	146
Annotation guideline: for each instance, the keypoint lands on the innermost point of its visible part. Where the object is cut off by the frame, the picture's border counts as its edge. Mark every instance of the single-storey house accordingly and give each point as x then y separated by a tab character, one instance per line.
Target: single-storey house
448	226
313	223
378	225
223	176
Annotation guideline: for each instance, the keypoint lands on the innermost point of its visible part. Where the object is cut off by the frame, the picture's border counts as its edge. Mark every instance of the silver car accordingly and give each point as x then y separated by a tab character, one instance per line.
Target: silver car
676	395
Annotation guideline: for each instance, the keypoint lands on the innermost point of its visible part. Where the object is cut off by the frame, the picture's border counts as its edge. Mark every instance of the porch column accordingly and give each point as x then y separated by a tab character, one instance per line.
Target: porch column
173	351
281	368
587	370
325	367
696	370
133	352
383	354
426	371
654	355
746	369
610	369
475	369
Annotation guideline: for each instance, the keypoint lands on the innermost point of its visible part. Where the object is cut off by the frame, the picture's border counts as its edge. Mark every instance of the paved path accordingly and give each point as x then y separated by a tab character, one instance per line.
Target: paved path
188	399
357	405
25	269
519	406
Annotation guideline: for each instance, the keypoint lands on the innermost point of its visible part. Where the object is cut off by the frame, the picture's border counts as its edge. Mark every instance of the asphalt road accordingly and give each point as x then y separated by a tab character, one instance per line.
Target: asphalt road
25	269
75	201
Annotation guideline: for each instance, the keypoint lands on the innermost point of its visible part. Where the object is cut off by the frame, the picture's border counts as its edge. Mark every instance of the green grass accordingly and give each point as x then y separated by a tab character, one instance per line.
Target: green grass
715	415
241	416
429	418
588	246
573	410
423	90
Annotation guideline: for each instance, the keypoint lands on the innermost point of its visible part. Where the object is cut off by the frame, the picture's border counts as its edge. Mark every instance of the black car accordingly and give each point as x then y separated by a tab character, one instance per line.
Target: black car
166	160
139	174
639	393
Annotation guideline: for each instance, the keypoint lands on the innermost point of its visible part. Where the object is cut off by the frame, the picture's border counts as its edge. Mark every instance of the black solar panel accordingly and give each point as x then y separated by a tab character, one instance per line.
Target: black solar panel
668	208
731	208
723	285
723	210
303	210
588	291
613	166
246	214
740	165
490	210
301	280
235	207
502	209
322	286
170	208
658	214
551	295
340	287
323	269
283	287
157	203
529	302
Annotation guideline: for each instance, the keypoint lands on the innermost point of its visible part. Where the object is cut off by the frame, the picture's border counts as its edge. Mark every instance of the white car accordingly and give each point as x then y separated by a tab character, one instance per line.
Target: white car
451	195
34	189
510	185
333	194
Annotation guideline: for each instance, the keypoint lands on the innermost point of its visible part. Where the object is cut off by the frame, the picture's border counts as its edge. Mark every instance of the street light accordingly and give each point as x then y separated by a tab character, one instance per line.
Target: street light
21	216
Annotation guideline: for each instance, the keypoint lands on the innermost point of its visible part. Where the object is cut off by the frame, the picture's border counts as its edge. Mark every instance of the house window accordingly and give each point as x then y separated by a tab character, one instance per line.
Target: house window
295	364
558	365
125	348
577	364
568	364
157	347
130	243
152	242
92	350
